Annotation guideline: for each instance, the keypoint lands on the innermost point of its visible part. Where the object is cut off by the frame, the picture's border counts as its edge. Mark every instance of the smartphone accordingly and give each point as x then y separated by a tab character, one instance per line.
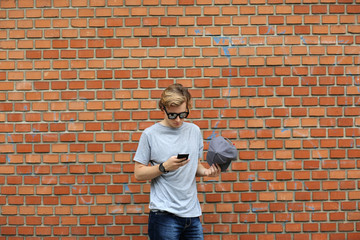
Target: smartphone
183	155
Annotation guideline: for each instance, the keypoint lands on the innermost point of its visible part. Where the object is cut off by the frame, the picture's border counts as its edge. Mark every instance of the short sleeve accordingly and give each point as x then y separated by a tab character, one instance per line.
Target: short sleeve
201	145
142	154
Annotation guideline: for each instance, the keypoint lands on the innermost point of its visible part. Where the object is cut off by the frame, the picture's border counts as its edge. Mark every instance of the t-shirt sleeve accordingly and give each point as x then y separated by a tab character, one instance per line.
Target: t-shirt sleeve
142	154
201	145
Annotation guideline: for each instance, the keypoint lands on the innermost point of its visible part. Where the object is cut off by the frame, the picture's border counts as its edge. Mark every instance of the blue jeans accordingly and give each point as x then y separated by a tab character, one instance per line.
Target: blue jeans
167	226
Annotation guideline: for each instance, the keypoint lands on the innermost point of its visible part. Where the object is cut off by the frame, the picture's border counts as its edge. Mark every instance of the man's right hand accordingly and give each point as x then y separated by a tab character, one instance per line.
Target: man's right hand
174	163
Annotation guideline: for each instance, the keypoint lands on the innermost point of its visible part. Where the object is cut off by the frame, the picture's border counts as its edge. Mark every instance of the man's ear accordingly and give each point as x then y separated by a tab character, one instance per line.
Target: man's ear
162	107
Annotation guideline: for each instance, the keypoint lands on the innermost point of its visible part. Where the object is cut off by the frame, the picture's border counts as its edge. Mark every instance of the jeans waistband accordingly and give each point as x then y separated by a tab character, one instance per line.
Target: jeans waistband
156	211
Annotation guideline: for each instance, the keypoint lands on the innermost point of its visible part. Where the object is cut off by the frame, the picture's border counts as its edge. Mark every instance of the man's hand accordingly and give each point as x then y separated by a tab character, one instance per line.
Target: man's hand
213	171
174	163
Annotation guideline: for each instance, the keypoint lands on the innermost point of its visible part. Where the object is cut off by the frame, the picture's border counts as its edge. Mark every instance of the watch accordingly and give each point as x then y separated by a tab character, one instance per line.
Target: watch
162	168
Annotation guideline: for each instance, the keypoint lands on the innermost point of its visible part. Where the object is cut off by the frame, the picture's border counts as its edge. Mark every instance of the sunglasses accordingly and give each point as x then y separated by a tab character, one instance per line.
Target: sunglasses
173	116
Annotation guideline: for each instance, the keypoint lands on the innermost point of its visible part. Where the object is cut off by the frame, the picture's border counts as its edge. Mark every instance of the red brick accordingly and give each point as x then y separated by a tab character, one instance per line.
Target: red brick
262	112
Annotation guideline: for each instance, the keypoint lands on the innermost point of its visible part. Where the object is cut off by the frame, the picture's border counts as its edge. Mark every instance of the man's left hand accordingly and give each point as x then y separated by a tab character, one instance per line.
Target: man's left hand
213	171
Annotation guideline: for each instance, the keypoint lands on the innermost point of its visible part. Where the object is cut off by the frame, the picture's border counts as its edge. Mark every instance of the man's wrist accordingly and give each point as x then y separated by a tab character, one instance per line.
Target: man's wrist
162	168
201	172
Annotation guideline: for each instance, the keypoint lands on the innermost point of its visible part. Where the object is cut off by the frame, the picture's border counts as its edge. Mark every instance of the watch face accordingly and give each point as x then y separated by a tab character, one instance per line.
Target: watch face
161	168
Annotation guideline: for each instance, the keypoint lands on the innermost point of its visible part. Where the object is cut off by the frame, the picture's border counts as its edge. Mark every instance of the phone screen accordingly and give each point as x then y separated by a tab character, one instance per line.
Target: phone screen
183	155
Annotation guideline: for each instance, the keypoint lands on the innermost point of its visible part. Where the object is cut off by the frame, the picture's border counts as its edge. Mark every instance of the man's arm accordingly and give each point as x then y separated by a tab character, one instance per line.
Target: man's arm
143	172
213	171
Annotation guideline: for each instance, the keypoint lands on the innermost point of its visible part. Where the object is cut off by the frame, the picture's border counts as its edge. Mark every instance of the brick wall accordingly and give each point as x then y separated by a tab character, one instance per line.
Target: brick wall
80	80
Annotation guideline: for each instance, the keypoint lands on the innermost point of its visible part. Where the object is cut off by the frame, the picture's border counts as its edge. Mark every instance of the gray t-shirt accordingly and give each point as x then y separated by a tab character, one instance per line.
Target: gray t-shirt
175	191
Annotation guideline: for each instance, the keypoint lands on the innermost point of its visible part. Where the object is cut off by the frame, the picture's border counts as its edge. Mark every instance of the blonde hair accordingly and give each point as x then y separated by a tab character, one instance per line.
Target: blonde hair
175	95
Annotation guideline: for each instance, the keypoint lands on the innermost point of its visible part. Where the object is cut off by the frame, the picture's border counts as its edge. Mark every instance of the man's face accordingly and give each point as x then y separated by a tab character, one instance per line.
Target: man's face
177	122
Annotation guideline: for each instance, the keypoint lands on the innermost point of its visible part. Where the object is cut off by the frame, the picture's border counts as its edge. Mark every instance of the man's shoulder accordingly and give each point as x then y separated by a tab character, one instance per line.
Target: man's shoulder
151	128
191	125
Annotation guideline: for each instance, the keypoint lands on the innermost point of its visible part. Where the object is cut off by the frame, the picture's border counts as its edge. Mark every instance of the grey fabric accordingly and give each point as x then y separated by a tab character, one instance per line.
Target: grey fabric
222	152
176	191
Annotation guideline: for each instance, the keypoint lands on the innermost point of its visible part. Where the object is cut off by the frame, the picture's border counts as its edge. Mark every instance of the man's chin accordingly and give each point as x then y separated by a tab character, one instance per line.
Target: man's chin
174	125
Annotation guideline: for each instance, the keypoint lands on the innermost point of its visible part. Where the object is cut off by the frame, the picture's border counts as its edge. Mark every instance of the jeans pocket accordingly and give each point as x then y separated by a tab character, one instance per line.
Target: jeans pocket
163	226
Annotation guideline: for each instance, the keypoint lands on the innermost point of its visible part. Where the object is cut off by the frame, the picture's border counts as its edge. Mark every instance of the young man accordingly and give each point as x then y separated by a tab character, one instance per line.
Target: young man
174	206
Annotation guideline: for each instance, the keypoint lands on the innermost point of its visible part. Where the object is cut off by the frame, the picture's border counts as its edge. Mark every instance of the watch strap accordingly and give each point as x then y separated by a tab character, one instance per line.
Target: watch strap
162	168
